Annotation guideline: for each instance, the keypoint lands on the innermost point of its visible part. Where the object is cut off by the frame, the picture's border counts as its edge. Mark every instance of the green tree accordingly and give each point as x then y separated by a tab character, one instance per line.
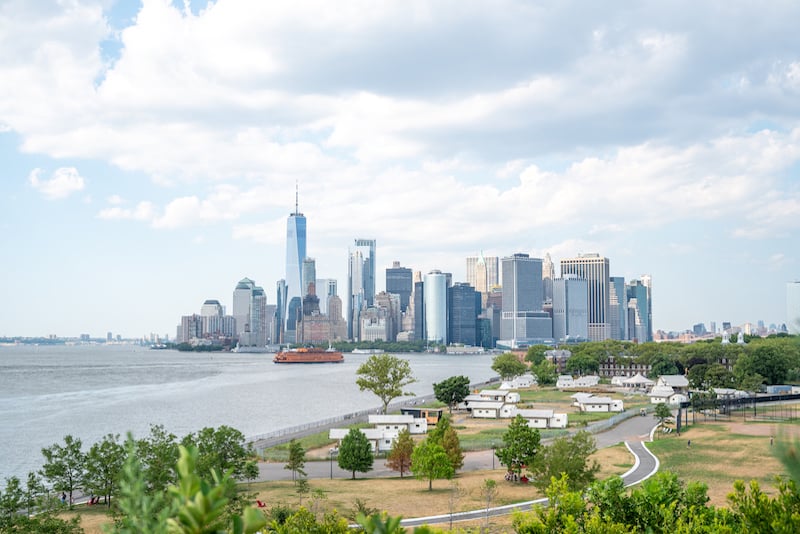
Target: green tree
568	455
385	376
582	364
521	444
297	459
158	453
104	463
399	458
193	506
35	493
508	366
766	360
221	449
663	412
445	435
662	365
11	502
451	391
64	465
430	462
355	453
488	493
536	354
545	372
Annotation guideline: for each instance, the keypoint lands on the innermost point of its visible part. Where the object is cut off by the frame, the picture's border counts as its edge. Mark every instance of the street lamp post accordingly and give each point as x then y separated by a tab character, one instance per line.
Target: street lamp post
493	455
331	452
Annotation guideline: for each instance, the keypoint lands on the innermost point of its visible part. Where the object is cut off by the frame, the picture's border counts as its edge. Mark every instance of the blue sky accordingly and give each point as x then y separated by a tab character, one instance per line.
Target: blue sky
150	150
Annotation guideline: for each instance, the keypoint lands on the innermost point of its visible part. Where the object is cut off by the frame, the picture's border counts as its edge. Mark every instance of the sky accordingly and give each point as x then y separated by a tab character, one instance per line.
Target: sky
150	151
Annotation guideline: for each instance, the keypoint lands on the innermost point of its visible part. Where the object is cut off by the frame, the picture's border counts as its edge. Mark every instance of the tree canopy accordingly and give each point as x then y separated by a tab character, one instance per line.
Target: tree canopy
385	376
430	462
567	455
355	453
452	391
520	445
508	366
399	458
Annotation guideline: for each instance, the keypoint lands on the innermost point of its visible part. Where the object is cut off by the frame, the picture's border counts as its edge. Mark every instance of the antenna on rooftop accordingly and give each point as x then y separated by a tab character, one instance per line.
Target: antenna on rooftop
296	197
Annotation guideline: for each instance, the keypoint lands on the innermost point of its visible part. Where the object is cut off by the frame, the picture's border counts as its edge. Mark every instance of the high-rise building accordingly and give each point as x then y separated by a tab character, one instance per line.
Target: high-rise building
309	276
463	304
436	307
281	310
595	270
483	274
647	281
419	308
570	309
398	282
638	329
618	307
523	320
210	308
241	305
793	307
548	275
390	302
326	288
360	283
295	254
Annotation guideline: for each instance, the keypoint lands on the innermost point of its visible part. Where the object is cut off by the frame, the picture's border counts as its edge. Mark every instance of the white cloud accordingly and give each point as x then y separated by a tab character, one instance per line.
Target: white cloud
63	182
144	211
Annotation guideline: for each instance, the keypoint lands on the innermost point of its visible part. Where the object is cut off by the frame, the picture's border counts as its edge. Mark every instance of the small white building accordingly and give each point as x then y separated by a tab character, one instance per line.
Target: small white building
396	423
599	404
499	395
666	394
381	440
637	381
488	409
567	381
544	418
679	383
524	381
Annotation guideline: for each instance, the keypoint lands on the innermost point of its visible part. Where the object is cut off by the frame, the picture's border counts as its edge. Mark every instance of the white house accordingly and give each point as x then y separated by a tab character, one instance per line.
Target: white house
566	381
679	383
637	381
487	409
660	394
380	439
396	423
499	395
524	381
544	418
599	404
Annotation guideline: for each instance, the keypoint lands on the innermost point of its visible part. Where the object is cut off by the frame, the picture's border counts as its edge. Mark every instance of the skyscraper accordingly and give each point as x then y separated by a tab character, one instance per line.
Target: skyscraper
793	307
241	305
570	309
595	270
462	304
638	327
398	282
309	276
548	275
360	283
295	254
436	307
618	307
482	274
523	319
647	281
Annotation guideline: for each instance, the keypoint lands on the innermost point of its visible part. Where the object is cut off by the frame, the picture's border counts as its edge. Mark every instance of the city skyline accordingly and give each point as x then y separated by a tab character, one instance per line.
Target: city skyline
151	152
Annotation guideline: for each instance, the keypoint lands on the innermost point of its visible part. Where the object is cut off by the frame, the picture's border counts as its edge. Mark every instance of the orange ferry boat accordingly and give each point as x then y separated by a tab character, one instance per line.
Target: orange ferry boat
309	355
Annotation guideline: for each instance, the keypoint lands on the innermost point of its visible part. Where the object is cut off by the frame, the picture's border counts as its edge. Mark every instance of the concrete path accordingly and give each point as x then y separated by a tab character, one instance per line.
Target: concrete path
633	432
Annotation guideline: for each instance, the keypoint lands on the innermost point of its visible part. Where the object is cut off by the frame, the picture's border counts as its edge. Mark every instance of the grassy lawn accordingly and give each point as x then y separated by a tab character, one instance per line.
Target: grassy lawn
720	454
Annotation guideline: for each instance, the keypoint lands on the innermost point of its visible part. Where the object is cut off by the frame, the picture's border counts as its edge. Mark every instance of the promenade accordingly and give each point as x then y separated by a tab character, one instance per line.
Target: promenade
633	431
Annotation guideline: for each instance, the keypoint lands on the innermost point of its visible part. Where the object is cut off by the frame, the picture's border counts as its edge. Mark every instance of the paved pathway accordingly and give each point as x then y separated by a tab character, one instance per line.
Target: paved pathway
633	431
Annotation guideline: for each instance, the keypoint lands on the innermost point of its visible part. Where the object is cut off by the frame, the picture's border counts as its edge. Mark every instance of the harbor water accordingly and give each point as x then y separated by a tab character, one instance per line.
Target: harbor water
88	391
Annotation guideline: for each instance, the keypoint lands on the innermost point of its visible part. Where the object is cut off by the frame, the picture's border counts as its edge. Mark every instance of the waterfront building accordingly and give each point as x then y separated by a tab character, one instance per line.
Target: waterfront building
435	298
570	309
210	308
523	320
793	307
647	282
548	275
375	324
279	323
483	274
309	276
618	307
419	308
638	307
295	255
241	304
390	302
399	282
360	283
595	270
463	305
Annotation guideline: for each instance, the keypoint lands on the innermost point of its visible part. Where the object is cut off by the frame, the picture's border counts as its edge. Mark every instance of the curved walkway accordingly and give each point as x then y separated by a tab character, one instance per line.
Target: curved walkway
632	431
